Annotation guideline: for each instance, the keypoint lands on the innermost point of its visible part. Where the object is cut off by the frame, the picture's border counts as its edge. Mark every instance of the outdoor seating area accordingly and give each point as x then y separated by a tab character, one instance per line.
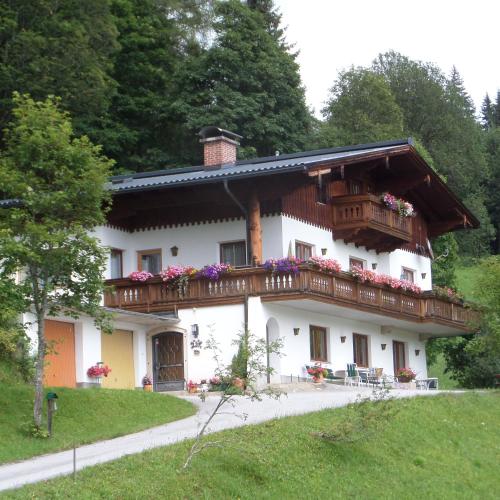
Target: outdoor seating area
375	377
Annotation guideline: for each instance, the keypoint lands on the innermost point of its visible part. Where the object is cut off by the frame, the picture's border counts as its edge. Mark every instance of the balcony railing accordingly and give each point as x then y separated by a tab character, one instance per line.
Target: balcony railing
354	213
340	289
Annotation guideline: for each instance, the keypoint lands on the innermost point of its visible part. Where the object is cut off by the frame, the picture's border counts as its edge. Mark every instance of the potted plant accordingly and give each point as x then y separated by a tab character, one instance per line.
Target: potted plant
405	375
192	387
147	383
317	372
98	371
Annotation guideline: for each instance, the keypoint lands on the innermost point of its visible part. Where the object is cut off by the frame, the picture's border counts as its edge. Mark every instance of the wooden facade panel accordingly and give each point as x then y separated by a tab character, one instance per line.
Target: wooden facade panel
117	351
302	204
59	370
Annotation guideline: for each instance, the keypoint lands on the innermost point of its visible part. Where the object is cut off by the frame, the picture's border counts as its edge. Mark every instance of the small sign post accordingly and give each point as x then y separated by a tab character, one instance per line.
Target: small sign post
51	408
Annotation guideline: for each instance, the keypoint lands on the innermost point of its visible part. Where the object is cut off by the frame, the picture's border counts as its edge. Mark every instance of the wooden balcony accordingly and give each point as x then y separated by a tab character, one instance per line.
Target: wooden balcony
362	219
339	289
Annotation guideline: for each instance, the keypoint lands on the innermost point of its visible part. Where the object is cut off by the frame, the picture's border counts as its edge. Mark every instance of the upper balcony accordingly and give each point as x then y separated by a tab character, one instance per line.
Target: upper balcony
338	293
363	220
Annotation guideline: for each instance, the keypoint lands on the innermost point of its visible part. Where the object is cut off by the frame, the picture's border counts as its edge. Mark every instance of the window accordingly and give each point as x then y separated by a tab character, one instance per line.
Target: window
317	335
116	263
353	262
408	275
360	349
303	251
398	353
149	260
234	253
321	192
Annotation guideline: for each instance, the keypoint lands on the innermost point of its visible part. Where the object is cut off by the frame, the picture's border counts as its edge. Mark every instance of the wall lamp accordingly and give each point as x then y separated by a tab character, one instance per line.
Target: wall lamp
174	250
195	330
374	265
423	275
296	331
417	352
323	251
342	339
383	346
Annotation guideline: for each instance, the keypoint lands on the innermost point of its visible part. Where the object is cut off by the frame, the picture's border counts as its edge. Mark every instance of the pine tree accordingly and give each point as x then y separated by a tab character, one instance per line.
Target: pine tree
487	113
496	120
49	47
246	82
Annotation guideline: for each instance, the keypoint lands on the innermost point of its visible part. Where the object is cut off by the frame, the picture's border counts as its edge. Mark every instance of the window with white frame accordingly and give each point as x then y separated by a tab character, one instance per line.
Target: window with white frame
303	251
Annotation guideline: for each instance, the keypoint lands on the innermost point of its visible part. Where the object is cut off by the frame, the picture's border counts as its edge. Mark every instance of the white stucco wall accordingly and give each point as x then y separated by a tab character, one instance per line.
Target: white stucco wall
297	348
199	244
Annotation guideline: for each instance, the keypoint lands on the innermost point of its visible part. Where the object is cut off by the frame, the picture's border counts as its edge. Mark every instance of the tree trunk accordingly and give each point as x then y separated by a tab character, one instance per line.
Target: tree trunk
38	406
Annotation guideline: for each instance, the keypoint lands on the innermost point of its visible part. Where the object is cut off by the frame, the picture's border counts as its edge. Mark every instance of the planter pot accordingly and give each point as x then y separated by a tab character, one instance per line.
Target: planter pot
192	390
319	380
148	388
404	380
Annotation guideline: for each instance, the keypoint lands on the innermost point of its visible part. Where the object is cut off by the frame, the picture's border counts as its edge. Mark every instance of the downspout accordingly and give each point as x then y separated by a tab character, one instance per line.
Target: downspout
249	257
247	222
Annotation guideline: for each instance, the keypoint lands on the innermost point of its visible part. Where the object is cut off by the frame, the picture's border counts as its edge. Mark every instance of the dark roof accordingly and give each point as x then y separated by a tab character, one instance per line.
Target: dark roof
247	168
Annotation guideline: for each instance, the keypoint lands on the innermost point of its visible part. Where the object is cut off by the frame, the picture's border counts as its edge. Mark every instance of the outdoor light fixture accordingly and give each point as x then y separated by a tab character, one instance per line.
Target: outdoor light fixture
383	346
296	331
423	275
195	331
323	251
51	408
174	251
342	339
374	265
417	352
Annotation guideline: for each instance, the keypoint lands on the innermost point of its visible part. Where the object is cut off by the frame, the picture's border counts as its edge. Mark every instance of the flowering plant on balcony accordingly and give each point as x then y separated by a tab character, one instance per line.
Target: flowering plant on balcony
402	207
383	279
147	380
405	375
446	293
178	276
98	370
284	265
214	272
327	265
317	372
140	276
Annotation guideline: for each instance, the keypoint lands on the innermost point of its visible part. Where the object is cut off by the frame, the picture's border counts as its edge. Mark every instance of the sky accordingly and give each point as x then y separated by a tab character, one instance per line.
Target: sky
332	35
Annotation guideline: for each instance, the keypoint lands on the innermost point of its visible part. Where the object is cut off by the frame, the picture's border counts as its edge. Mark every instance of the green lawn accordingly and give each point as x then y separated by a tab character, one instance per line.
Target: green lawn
84	415
437	370
445	446
466	280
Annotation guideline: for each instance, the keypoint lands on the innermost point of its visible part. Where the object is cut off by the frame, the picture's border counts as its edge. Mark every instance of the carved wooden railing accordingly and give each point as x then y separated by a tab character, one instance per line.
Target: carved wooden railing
341	288
366	209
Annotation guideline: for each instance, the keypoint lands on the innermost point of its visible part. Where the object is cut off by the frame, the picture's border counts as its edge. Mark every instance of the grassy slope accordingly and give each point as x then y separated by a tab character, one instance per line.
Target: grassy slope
437	447
84	415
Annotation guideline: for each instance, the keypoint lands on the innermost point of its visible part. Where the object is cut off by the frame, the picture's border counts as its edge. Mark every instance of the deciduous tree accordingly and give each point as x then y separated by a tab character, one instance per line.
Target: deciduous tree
58	182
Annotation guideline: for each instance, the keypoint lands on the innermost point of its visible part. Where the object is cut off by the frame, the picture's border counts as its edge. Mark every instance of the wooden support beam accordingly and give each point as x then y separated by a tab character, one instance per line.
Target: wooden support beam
255	229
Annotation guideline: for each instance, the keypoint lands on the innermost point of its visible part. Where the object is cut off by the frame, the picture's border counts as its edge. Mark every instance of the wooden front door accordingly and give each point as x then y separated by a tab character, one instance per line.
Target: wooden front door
168	356
398	353
59	369
117	351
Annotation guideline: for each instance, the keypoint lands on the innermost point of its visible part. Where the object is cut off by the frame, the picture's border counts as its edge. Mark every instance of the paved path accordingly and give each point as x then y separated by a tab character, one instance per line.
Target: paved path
297	401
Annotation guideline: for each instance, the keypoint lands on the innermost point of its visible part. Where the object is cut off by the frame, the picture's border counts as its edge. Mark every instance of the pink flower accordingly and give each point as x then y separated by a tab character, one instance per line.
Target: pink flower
328	265
140	276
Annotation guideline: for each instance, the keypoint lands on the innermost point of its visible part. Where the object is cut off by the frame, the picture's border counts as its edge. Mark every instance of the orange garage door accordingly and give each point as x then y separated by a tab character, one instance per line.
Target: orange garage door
60	360
117	351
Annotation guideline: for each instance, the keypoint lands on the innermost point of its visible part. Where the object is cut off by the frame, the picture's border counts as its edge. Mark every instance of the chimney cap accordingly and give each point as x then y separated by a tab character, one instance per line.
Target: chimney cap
212	131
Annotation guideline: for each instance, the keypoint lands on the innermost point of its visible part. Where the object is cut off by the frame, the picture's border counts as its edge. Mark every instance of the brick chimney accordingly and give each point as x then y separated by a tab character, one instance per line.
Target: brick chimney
219	146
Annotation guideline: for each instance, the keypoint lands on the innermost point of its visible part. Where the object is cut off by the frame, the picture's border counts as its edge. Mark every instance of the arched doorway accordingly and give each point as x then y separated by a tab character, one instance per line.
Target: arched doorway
273	359
168	361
